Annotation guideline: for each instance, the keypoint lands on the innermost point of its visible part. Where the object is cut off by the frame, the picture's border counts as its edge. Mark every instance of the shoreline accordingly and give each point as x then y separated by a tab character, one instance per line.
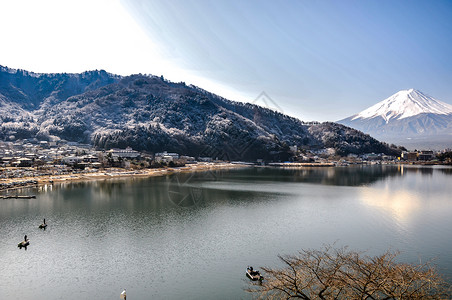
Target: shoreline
15	183
112	173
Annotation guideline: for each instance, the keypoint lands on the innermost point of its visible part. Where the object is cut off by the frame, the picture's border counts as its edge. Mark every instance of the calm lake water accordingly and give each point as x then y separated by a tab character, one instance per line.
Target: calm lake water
191	236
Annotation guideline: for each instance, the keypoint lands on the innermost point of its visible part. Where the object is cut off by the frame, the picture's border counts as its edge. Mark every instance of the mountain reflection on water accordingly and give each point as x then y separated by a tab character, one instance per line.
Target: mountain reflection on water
189	189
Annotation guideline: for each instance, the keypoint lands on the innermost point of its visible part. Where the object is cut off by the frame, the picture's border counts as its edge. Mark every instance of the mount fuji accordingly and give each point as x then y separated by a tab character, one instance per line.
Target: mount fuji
409	118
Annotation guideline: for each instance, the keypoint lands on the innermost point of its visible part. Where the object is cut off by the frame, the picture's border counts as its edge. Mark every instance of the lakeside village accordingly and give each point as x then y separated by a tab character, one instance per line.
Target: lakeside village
29	162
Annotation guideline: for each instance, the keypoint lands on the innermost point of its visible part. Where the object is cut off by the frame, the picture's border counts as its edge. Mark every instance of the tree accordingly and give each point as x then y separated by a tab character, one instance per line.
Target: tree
342	274
445	156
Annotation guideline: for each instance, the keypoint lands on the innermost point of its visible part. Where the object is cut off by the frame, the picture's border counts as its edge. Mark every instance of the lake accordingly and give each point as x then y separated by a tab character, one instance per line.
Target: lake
191	236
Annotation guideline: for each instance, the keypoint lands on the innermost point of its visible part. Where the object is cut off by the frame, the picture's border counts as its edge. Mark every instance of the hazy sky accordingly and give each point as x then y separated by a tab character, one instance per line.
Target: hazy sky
317	60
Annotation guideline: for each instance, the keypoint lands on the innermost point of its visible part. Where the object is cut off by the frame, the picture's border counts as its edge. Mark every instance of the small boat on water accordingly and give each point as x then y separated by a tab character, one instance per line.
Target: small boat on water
43	225
23	244
253	274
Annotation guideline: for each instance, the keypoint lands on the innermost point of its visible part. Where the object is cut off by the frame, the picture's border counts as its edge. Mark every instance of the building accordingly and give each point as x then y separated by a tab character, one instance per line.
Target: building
166	157
71	160
372	156
90	158
22	162
426	155
410	156
124	153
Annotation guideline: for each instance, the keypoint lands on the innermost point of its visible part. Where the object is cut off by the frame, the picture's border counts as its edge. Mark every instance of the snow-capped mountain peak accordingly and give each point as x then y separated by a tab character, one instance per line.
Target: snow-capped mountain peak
404	104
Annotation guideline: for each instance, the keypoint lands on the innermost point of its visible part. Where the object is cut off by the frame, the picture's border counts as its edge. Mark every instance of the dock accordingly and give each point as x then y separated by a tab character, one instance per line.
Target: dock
18	197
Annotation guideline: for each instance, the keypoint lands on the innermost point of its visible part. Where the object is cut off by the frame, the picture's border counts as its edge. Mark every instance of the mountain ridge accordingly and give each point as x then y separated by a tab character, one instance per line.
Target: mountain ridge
153	114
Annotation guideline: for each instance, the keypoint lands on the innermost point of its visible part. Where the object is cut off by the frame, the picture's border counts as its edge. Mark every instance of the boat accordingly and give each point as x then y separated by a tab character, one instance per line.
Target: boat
23	244
43	224
253	274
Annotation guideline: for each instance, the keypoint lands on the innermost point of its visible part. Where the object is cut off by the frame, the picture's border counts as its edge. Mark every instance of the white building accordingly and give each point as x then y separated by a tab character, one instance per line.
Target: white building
124	153
166	157
71	160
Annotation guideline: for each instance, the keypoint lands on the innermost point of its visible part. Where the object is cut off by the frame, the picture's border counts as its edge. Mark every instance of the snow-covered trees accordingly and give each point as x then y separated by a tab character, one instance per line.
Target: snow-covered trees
152	114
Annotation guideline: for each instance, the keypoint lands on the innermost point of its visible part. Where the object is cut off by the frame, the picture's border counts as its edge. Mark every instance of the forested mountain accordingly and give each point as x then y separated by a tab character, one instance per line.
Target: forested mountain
152	114
30	90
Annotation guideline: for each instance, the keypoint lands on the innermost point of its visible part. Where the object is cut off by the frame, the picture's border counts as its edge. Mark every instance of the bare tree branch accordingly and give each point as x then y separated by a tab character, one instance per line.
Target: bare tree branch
342	274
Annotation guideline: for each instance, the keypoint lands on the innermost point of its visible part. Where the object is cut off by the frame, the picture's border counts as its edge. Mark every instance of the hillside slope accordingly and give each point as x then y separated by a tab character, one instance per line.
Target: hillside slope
152	114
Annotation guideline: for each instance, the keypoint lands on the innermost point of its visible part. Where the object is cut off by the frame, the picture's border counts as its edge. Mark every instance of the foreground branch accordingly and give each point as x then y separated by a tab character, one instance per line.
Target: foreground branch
343	274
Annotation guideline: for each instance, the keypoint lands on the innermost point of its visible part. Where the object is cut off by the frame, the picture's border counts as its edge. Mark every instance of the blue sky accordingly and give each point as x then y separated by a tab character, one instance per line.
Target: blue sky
317	60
